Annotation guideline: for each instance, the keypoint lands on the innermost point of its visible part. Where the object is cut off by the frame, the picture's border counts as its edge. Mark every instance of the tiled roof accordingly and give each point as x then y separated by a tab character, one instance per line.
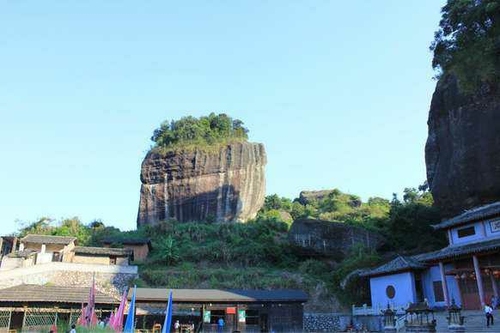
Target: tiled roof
46	239
478	213
218	295
132	241
52	294
398	264
105	251
21	254
459	250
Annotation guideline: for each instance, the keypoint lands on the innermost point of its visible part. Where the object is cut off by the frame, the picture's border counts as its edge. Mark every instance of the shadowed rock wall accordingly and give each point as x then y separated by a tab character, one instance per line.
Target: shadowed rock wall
316	237
225	185
462	153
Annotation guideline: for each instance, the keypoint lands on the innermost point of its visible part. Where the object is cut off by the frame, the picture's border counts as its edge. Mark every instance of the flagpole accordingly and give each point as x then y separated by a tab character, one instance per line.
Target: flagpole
168	315
130	323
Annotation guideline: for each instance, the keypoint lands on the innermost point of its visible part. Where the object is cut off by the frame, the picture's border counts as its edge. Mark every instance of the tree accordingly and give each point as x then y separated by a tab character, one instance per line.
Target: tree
166	251
199	132
467	44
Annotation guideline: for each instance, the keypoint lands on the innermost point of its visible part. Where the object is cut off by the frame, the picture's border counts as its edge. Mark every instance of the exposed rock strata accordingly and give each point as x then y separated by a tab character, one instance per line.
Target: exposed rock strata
225	185
462	153
306	197
317	237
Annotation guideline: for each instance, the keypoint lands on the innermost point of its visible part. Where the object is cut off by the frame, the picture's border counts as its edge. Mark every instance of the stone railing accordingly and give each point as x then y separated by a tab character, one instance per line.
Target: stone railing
377	310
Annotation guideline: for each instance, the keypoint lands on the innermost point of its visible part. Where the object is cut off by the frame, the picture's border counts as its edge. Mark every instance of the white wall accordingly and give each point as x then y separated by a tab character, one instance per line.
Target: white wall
478	227
43	258
492	228
433	274
403	283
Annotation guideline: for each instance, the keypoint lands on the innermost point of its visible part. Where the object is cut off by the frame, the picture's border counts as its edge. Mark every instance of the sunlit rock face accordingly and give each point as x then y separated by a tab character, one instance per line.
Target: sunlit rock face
224	185
462	153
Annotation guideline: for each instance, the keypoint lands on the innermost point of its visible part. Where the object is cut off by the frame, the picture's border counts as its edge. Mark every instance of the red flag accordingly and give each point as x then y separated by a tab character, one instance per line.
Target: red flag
88	313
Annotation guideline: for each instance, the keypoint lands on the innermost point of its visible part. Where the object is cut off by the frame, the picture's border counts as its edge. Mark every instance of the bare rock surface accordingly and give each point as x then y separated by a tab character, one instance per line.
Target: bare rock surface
462	153
224	185
334	239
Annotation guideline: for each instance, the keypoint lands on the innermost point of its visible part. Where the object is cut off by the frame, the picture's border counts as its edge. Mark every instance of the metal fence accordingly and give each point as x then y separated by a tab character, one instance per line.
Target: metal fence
39	319
5	320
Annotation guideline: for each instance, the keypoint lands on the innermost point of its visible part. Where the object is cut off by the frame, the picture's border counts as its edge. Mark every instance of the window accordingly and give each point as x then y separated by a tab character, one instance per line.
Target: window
216	314
438	291
252	317
390	291
464	232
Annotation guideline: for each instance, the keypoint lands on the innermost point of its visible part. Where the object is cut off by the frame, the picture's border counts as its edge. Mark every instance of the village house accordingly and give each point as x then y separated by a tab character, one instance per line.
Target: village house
47	248
140	246
99	256
467	271
35	308
8	244
41	249
242	310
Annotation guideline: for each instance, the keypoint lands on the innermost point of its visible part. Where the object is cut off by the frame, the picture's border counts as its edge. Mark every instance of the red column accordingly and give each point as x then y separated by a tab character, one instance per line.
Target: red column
479	280
444	284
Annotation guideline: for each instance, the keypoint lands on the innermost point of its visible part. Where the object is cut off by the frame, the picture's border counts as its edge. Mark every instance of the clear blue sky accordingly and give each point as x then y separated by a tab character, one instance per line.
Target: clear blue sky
338	91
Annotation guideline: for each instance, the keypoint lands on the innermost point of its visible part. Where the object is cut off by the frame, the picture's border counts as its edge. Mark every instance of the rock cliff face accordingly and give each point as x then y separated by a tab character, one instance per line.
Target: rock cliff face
316	237
462	153
224	185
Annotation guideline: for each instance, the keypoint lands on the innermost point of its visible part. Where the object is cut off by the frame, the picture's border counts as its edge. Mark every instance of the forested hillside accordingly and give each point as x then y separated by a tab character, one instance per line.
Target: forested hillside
257	254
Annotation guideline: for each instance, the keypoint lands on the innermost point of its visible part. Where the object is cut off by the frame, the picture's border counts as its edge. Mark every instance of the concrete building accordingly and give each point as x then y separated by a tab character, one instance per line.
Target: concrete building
467	270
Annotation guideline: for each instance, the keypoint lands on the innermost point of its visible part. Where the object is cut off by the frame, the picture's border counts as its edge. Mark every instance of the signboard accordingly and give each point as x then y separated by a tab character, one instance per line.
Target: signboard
495	226
206	316
231	310
242	316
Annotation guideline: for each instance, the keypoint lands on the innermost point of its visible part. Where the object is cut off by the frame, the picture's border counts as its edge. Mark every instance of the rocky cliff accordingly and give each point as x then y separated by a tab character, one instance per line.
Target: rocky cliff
462	153
227	184
334	239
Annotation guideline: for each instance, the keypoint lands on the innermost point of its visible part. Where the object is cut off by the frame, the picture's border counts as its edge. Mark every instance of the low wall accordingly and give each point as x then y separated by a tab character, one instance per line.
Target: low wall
13	263
372	323
326	322
109	279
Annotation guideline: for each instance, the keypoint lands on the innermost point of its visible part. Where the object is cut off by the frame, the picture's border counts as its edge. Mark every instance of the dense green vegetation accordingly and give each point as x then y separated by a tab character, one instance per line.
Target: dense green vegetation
394	219
468	42
336	206
257	254
200	133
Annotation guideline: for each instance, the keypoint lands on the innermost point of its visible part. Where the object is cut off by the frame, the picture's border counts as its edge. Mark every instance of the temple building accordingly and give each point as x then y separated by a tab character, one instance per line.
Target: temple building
466	271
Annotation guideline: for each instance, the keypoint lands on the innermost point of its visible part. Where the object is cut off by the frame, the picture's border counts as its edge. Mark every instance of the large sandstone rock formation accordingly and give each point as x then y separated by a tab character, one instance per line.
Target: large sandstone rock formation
334	239
462	153
309	197
227	184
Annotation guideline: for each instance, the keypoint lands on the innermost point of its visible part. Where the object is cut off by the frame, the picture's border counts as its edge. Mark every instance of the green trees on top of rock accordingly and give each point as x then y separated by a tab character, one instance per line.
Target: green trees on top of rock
467	44
189	132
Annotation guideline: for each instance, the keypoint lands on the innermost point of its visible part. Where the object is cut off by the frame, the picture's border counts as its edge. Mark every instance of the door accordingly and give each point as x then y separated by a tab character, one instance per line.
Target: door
470	294
264	323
